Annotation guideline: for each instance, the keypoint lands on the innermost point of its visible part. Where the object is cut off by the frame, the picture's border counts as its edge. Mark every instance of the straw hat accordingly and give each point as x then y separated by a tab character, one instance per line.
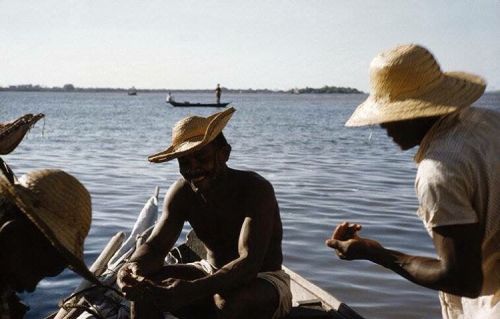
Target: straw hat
12	132
192	133
407	83
59	205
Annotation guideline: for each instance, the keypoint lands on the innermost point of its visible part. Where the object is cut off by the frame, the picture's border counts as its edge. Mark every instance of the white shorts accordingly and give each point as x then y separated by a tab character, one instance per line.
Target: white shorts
279	279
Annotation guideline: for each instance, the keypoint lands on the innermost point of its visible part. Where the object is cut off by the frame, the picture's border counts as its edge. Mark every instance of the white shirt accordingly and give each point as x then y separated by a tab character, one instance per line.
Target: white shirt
458	182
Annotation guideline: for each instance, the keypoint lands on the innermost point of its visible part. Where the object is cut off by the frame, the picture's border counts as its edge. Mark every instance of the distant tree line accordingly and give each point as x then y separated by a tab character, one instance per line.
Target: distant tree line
64	88
72	88
325	90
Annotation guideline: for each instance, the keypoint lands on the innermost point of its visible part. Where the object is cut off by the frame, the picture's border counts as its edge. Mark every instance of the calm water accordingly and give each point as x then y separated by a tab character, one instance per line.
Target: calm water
323	174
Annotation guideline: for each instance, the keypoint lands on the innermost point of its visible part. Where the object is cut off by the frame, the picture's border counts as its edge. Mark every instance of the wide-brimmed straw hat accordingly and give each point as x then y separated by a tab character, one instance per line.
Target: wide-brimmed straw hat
192	133
13	132
407	83
60	207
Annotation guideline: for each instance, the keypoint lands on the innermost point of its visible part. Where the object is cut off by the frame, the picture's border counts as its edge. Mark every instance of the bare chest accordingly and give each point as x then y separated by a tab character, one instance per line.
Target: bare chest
218	225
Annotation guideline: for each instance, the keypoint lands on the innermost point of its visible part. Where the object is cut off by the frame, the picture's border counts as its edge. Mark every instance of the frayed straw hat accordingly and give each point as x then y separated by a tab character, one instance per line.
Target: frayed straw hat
60	207
12	132
192	133
407	83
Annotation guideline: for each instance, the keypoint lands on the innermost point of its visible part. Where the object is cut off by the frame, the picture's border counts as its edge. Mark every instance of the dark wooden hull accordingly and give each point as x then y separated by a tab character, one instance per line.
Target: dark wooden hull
188	104
311	302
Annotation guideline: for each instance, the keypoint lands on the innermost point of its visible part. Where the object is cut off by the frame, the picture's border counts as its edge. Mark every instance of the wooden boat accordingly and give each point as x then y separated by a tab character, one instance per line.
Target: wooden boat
309	301
189	104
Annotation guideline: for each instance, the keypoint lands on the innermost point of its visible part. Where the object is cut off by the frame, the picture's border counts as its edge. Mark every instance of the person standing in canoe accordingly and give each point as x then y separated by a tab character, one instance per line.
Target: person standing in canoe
44	219
233	212
457	182
218	92
170	97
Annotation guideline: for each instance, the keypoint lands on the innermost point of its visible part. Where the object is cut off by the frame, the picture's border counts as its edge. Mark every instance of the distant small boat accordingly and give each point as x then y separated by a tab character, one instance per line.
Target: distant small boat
189	104
132	91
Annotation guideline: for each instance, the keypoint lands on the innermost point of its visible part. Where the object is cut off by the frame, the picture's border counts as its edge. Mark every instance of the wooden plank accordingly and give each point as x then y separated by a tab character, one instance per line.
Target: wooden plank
303	289
310	301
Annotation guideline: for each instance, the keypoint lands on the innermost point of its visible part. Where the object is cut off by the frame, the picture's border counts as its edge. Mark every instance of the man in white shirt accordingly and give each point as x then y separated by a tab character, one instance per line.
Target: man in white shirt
457	183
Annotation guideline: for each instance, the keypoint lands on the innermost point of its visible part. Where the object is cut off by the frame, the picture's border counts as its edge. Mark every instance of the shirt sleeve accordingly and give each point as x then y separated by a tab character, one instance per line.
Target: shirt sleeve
444	192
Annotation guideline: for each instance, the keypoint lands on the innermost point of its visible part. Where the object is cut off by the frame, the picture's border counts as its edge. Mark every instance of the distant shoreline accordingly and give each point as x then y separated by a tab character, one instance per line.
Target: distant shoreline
307	90
70	88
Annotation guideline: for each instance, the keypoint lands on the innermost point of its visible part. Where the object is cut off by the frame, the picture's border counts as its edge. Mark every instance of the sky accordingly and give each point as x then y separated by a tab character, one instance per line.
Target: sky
246	44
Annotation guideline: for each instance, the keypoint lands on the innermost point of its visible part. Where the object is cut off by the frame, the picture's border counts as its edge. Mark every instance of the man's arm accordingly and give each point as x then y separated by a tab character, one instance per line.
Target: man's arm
150	256
457	269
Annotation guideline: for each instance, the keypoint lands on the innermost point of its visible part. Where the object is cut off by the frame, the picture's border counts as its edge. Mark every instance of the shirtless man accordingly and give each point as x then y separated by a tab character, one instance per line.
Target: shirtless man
234	213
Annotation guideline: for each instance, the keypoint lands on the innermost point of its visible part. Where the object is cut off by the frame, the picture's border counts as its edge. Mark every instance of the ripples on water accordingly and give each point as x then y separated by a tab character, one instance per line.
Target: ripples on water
322	172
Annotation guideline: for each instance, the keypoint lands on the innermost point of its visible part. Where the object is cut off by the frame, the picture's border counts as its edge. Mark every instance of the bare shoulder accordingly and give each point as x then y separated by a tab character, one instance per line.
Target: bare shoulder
254	192
254	182
178	195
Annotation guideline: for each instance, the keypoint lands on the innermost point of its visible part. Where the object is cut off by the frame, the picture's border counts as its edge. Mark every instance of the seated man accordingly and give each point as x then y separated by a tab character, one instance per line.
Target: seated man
44	220
234	213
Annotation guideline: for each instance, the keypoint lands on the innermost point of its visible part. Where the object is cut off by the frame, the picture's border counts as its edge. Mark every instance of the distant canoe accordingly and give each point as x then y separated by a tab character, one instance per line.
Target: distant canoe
189	104
132	91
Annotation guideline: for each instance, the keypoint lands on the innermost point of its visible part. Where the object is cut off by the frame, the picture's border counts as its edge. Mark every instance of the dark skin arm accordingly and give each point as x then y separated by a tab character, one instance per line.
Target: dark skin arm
253	241
457	269
149	257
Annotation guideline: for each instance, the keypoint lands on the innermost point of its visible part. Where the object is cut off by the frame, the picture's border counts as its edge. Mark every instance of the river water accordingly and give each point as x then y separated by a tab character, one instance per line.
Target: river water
323	173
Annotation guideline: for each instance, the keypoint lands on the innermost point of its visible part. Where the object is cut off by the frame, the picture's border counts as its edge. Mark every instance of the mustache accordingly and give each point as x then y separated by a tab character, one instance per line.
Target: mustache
191	174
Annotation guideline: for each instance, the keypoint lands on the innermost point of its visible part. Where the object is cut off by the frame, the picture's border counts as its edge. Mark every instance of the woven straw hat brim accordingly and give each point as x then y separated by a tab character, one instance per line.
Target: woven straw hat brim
51	229
217	123
455	91
13	132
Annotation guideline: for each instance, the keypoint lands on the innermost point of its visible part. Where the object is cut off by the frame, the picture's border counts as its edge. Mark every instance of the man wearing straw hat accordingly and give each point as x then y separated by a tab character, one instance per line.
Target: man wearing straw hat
11	134
457	181
44	219
234	213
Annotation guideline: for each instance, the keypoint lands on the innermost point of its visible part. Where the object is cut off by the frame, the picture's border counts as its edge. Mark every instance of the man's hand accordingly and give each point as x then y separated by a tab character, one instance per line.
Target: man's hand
169	294
131	282
348	244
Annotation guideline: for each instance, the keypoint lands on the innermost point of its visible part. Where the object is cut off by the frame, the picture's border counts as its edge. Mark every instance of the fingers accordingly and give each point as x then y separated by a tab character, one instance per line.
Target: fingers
128	276
335	244
133	268
345	231
332	243
339	247
134	287
339	231
351	230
